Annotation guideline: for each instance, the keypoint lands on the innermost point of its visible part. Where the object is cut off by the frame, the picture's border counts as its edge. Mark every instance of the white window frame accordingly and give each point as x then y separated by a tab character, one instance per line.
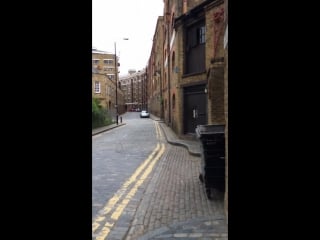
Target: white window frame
108	61
108	69
97	87
95	61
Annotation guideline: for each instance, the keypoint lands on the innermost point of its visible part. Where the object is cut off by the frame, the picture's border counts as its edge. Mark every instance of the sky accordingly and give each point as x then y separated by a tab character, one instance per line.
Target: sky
114	20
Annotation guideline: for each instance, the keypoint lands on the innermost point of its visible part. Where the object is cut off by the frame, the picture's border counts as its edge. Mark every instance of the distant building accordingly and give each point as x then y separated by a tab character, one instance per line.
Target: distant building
155	74
134	90
104	81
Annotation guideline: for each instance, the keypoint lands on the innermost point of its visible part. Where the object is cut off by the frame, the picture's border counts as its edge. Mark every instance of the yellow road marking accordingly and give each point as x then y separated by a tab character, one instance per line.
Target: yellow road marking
95	226
117	213
111	203
159	130
105	231
133	190
157	133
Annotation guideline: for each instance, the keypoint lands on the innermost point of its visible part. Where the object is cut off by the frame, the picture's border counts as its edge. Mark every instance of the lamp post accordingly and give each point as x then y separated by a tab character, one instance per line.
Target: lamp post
116	77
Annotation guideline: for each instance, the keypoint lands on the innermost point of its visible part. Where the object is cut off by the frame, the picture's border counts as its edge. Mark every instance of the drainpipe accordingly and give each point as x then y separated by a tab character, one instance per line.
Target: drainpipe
168	56
132	93
161	97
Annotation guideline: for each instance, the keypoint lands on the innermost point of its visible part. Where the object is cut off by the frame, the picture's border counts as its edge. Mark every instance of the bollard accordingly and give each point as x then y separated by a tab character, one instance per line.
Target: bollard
120	119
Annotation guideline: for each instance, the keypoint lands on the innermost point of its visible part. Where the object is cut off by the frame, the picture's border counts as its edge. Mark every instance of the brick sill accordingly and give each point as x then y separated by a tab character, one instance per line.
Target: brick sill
193	74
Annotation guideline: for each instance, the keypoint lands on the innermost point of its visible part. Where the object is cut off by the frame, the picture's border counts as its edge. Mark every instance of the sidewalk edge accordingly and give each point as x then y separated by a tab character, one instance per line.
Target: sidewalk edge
107	129
181	144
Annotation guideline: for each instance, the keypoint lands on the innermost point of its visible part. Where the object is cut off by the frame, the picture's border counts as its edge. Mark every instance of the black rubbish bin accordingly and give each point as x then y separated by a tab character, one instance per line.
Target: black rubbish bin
212	172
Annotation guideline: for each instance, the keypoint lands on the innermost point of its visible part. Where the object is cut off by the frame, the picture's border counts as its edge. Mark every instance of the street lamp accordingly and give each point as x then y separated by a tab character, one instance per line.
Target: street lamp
116	77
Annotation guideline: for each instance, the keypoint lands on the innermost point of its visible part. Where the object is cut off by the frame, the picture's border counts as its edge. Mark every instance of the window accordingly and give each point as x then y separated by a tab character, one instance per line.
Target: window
108	61
173	101
195	48
108	69
97	87
173	61
95	61
202	35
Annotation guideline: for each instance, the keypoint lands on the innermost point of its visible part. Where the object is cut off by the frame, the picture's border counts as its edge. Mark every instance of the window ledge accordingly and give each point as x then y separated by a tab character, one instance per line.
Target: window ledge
193	74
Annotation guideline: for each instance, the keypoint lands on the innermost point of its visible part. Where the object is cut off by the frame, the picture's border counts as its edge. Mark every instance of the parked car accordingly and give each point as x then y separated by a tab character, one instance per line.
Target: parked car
144	114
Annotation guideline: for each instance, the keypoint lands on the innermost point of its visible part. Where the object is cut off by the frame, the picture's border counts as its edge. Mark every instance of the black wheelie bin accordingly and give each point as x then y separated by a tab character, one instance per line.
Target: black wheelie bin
212	172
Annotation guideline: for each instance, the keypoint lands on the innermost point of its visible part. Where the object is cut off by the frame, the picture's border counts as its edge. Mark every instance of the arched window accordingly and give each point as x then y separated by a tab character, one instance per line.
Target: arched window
173	101
173	61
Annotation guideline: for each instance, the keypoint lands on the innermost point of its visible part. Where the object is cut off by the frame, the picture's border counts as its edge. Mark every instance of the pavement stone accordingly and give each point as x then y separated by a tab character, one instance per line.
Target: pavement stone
177	205
172	204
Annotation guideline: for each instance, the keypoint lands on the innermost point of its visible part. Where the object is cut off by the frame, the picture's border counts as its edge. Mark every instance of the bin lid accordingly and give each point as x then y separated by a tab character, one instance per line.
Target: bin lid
209	129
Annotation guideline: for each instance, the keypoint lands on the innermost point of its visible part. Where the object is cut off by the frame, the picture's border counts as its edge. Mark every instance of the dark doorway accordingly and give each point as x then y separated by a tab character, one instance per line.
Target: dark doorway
195	108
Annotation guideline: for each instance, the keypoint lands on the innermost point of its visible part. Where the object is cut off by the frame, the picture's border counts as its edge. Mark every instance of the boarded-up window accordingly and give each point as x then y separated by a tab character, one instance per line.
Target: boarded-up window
195	48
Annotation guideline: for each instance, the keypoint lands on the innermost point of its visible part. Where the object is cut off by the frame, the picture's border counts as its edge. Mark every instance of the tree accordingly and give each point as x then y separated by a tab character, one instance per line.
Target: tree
100	116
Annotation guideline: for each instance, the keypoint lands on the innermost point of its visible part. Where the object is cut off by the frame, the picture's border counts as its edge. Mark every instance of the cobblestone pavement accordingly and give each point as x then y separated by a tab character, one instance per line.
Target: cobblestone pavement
172	203
175	204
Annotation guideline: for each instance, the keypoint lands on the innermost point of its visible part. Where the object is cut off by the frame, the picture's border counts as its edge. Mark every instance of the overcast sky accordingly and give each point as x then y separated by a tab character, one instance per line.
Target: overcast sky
113	20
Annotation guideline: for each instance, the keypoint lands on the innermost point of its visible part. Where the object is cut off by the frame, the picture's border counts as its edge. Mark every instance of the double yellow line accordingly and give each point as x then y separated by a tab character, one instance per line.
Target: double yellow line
158	131
113	207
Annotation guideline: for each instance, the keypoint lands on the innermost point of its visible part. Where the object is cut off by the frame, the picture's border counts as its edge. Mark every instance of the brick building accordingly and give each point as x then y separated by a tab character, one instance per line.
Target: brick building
98	83
193	75
104	81
155	70
193	64
225	45
134	90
